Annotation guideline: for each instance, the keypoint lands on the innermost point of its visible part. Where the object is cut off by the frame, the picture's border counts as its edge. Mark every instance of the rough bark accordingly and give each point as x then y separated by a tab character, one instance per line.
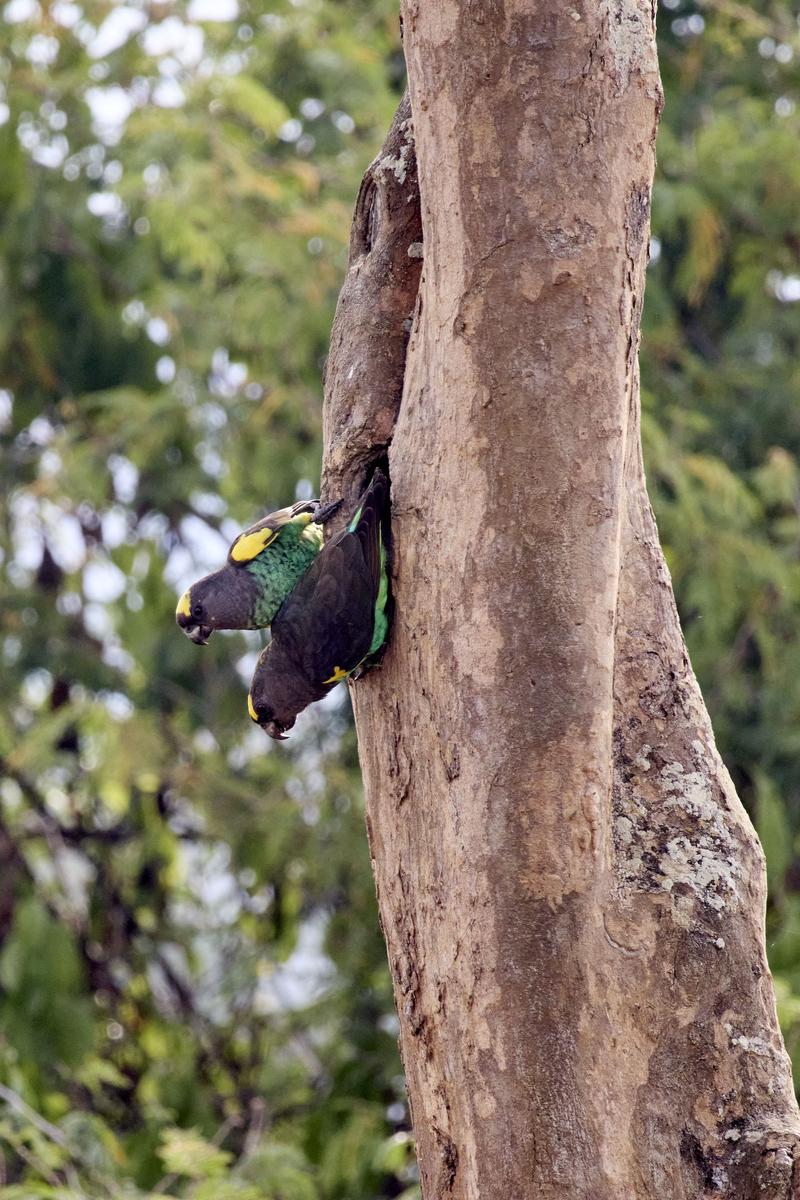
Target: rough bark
571	893
364	372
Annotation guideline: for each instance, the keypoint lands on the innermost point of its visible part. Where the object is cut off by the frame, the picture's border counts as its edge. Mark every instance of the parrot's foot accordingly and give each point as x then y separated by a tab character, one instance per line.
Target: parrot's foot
324	512
368	665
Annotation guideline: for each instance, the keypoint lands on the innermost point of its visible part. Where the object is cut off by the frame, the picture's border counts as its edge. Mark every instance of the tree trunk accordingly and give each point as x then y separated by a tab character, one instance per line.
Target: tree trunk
571	893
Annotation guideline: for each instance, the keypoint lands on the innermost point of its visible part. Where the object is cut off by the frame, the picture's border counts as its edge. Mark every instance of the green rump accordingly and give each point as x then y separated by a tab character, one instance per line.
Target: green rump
381	627
381	619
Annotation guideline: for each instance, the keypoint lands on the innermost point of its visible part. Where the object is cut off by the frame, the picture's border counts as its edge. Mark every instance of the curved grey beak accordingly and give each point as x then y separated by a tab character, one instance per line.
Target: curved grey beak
275	731
199	634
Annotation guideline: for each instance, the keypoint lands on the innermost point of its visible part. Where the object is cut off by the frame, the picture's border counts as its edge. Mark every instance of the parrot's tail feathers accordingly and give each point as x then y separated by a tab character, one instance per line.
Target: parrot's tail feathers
374	502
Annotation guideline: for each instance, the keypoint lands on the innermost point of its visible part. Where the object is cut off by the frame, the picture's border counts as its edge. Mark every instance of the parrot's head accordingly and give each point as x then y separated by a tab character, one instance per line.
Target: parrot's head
190	615
269	722
223	600
270	701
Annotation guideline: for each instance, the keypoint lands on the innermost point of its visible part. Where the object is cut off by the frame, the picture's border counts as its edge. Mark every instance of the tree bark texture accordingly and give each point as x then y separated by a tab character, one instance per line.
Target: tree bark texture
571	893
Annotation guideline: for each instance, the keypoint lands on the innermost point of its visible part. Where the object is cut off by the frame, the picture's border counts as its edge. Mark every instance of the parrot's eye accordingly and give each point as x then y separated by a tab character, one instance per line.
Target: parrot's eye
197	611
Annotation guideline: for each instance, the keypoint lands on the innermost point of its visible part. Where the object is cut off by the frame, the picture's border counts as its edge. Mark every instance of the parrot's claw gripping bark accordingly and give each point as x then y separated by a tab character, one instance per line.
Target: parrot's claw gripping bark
324	512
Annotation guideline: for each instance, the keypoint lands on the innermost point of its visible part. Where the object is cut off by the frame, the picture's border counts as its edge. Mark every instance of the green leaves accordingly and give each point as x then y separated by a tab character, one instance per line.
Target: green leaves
179	993
46	1015
281	1172
184	1152
249	99
773	830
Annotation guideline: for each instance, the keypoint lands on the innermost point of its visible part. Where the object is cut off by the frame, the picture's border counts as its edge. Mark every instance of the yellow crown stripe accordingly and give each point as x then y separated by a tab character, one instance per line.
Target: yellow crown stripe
339	673
251	709
184	608
249	545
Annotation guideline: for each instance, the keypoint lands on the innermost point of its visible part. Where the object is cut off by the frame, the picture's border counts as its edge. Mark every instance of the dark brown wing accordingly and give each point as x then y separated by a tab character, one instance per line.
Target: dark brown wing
325	626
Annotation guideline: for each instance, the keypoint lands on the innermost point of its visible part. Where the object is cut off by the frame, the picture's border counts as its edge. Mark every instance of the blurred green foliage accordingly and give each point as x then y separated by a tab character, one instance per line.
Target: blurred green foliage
193	992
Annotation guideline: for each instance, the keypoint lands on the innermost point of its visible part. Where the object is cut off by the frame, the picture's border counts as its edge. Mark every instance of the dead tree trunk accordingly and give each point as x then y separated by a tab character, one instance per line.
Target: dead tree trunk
571	893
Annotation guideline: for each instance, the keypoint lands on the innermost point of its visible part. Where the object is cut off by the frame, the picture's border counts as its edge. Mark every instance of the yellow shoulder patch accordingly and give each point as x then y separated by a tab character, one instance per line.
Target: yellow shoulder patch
303	519
339	673
249	545
184	608
251	709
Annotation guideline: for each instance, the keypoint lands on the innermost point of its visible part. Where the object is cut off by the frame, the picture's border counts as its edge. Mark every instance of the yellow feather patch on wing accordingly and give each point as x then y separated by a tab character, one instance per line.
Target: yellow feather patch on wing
184	608
303	519
339	673
249	545
251	709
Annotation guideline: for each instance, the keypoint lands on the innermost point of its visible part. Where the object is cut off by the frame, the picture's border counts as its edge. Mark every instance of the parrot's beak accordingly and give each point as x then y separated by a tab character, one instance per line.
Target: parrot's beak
199	634
275	730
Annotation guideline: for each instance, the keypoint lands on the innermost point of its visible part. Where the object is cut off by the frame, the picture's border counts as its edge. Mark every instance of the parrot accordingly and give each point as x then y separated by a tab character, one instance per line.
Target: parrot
264	563
334	621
